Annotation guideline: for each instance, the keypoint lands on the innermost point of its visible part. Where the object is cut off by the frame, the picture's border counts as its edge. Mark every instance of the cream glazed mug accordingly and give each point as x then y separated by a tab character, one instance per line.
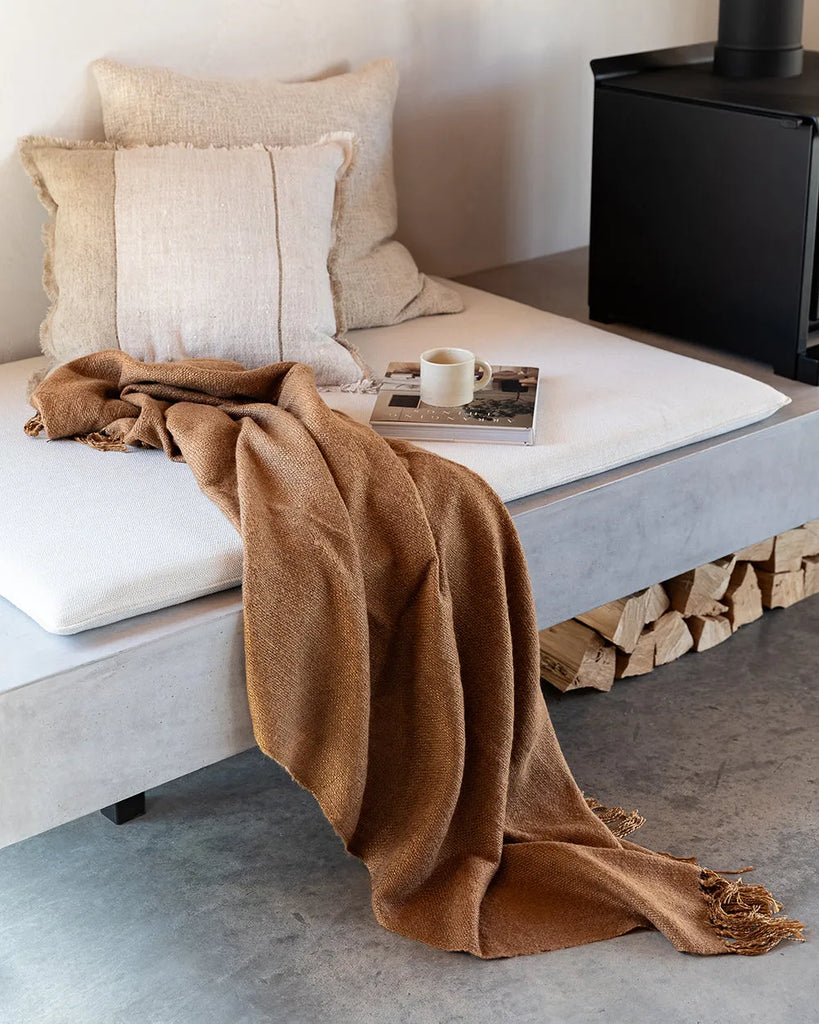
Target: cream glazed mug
448	376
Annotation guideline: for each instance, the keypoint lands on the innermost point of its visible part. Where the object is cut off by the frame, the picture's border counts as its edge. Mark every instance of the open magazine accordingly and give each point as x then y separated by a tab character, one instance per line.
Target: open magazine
501	413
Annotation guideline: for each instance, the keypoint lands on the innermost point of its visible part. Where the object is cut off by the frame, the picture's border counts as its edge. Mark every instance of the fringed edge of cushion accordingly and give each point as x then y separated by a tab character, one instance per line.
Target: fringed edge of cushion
350	143
27	148
619	821
743	915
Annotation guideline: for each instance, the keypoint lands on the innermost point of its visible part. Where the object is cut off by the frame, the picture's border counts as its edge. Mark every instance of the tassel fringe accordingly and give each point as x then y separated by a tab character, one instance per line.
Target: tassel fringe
742	915
619	822
34	426
101	442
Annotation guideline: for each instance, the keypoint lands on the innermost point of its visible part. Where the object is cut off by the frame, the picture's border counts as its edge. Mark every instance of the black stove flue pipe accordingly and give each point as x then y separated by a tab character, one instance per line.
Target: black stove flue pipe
759	39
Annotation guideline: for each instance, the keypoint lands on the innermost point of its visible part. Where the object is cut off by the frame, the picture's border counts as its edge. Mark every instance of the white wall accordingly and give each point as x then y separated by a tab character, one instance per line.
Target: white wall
811	37
492	128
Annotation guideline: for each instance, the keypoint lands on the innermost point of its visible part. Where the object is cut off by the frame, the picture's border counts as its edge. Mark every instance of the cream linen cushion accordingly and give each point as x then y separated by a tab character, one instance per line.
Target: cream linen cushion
379	281
173	252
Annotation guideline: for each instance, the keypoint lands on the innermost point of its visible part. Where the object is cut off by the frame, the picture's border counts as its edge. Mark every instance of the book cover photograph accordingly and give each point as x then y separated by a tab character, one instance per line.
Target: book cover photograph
503	412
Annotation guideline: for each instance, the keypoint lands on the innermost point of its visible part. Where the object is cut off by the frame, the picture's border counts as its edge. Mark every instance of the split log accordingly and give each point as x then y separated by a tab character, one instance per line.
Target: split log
759	552
641	659
707	631
698	592
810	567
695	603
813	528
781	589
620	621
743	596
671	636
657	604
789	550
573	656
810	534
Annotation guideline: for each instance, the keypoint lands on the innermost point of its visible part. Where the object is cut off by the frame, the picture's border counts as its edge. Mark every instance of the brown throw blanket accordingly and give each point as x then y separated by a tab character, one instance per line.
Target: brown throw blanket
393	669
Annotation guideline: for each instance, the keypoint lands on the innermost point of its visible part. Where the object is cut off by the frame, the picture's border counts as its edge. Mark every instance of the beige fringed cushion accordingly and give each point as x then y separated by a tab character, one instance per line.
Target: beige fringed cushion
173	252
379	281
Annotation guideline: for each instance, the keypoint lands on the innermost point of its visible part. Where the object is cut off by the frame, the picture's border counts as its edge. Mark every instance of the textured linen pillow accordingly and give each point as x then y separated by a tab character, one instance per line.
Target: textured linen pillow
174	252
379	281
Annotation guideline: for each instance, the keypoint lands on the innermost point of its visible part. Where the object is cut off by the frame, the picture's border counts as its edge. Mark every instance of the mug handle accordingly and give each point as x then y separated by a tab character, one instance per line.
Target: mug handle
486	373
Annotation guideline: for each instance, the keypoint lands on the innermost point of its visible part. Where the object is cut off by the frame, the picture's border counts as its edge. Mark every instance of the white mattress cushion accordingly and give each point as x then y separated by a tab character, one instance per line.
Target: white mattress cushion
68	560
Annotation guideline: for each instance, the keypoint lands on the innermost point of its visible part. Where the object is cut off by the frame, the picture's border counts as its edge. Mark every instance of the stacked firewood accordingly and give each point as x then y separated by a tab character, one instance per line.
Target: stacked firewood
694	611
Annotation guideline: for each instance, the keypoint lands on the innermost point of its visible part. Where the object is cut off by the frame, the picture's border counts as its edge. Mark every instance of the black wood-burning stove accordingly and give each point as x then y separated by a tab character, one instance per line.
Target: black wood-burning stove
705	189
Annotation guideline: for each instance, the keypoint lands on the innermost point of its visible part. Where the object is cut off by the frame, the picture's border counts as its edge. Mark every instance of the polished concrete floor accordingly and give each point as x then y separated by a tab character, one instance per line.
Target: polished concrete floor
232	901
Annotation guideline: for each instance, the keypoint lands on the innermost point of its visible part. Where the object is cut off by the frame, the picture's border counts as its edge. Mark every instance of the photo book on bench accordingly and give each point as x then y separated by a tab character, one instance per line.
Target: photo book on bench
503	412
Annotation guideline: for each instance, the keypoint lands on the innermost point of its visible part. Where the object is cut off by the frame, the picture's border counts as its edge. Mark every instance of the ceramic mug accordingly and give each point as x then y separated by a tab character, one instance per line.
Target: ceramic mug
448	376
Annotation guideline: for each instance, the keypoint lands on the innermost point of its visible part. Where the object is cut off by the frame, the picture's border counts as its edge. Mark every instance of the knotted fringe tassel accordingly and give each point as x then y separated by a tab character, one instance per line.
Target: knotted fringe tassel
34	426
619	822
742	915
101	442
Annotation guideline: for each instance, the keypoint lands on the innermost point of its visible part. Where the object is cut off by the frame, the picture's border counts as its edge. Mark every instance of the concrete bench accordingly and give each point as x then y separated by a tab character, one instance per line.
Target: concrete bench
91	719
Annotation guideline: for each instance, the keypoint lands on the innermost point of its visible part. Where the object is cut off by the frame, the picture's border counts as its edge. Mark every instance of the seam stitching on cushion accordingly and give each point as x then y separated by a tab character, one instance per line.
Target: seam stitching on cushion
278	253
133	610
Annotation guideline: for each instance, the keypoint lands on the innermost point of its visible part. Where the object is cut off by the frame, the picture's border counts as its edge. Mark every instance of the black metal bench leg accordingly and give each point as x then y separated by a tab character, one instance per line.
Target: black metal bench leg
125	810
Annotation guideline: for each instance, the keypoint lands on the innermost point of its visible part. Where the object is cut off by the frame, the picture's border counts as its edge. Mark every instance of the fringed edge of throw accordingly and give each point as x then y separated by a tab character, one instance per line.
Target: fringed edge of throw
743	915
101	442
34	426
619	821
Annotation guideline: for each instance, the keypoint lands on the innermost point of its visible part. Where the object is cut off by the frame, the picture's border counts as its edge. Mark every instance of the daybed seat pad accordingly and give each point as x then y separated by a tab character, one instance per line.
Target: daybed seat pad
88	538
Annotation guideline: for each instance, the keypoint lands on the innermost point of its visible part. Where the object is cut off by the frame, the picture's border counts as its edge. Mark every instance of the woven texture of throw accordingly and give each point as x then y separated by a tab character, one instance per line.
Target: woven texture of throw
393	667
